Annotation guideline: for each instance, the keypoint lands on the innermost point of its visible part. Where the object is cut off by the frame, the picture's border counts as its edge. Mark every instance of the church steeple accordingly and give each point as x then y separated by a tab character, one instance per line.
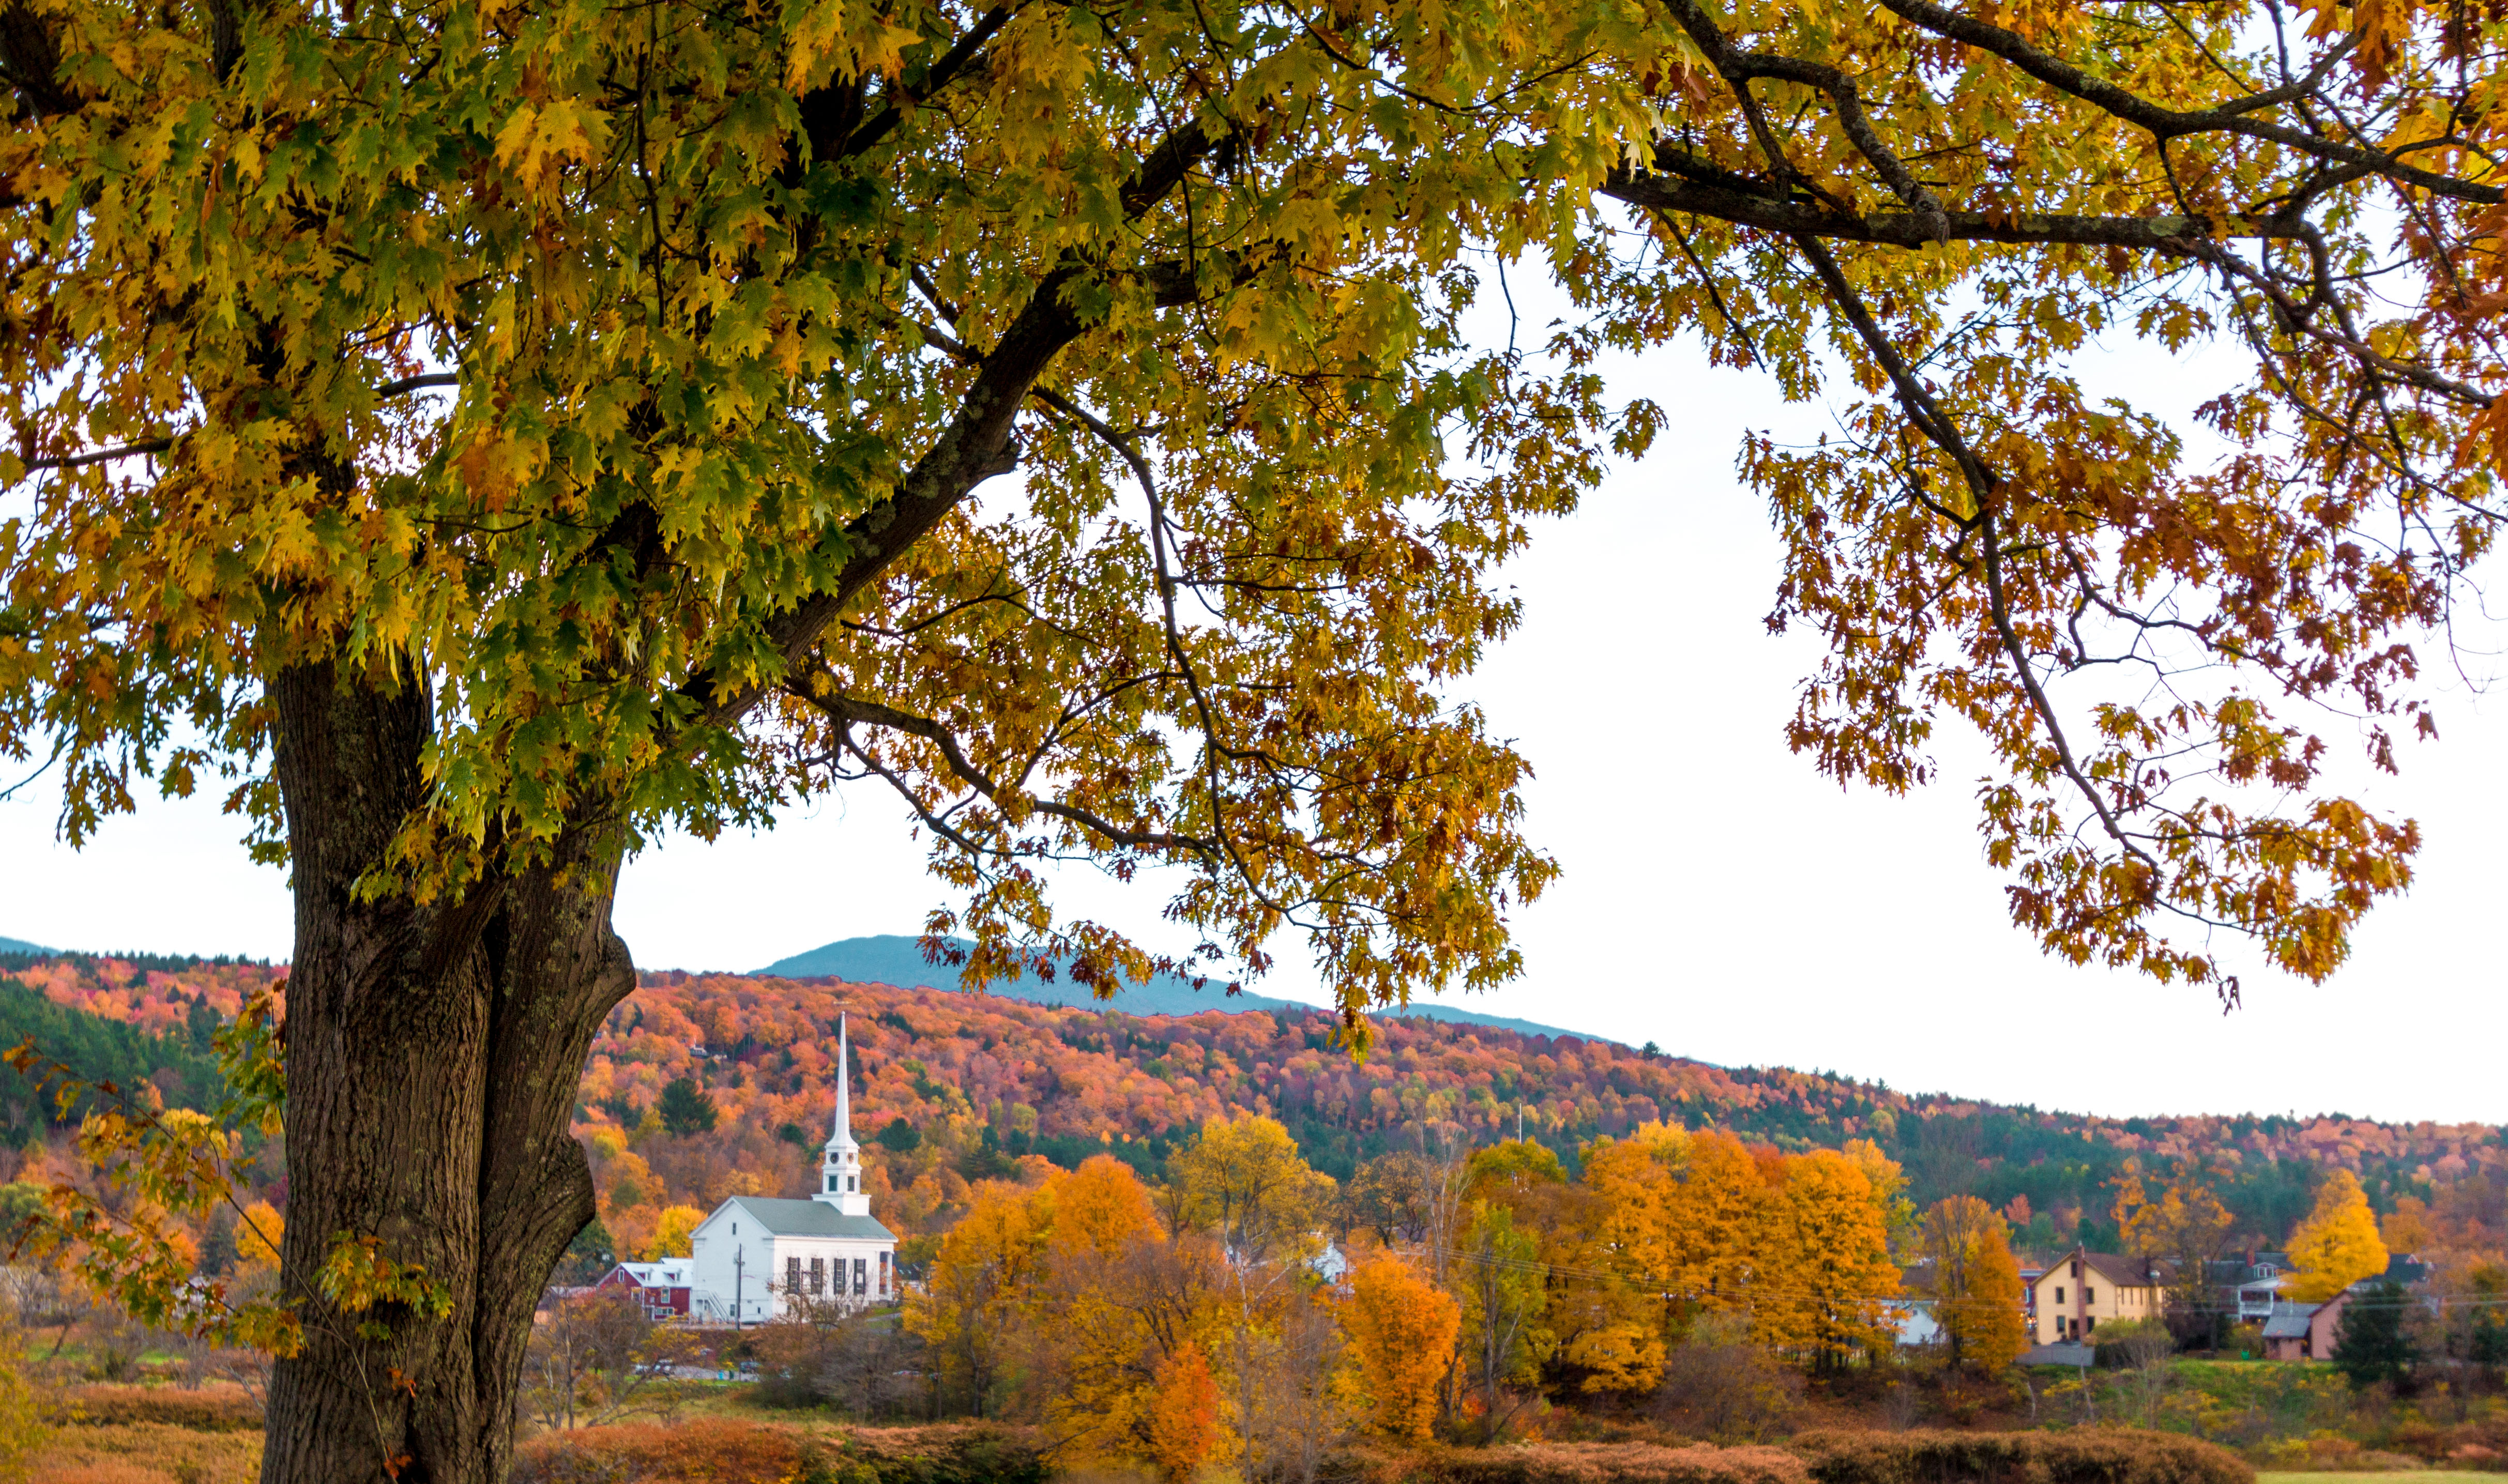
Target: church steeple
840	1171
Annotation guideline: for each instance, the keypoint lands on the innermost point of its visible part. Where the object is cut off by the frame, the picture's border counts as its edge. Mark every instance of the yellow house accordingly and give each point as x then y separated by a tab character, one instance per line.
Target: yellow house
2082	1289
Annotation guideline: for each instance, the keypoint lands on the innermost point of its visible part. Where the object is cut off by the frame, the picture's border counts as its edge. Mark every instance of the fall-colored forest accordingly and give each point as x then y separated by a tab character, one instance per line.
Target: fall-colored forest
952	1088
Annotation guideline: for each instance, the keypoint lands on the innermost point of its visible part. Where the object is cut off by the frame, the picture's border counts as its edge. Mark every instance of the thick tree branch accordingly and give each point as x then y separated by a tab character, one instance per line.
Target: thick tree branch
1744	205
977	442
2169	122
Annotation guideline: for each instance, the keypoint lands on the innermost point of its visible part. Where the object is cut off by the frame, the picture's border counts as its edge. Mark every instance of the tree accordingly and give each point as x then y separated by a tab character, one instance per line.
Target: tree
1184	1414
2148	1351
2371	1340
23	1434
1102	1207
477	443
588	1256
1509	1171
2337	1245
1975	1283
686	1109
674	1233
1402	1332
1501	1282
2190	1227
972	1307
1108	1319
260	1235
1821	1285
1243	1180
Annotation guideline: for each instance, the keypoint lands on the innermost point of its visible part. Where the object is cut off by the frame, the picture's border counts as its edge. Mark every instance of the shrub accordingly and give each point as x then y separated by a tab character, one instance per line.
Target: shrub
205	1409
724	1451
1721	1385
2088	1456
1574	1464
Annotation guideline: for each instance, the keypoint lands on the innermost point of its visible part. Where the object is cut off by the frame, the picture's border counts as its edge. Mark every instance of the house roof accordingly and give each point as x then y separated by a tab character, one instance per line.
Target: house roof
670	1272
2060	1354
805	1218
2292	1326
2123	1272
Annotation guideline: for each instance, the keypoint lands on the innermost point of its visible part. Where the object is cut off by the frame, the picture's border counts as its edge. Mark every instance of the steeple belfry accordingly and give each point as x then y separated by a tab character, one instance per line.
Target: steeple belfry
840	1171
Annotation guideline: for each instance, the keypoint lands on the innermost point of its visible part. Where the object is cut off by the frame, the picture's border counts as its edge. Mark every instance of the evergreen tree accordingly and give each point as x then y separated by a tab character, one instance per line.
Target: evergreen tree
2371	1344
218	1245
587	1257
200	1023
686	1109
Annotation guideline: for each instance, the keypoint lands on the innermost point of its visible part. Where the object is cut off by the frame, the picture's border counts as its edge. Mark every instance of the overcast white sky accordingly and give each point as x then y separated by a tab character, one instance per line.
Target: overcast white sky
1719	898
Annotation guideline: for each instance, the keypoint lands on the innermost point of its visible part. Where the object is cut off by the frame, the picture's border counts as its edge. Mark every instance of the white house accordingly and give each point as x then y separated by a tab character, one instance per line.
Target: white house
756	1253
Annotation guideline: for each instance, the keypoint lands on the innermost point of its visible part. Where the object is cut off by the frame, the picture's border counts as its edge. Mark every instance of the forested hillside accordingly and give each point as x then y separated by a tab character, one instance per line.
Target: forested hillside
952	1088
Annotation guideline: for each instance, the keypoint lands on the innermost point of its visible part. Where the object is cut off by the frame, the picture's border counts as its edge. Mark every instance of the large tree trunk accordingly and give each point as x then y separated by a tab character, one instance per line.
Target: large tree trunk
432	1052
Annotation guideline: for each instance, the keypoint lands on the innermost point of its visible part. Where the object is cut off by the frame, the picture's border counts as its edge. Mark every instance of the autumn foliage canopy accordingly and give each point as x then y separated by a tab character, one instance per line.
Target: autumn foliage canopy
623	378
475	436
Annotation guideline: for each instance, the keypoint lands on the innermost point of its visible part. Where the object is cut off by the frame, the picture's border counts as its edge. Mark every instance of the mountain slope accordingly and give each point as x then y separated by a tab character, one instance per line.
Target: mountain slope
951	1087
899	960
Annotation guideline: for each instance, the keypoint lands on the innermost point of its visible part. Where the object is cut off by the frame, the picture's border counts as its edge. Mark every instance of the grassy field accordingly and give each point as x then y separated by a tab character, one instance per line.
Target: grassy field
2395	1476
148	1453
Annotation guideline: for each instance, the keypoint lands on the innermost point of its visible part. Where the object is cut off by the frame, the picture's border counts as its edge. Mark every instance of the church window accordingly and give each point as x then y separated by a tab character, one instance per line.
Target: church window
849	1182
858	1274
883	1275
818	1276
792	1275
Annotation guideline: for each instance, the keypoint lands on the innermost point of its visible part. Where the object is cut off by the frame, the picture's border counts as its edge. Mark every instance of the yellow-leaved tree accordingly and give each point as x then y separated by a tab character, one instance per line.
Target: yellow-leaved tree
674	1233
1243	1181
1402	1330
474	440
2337	1243
974	1308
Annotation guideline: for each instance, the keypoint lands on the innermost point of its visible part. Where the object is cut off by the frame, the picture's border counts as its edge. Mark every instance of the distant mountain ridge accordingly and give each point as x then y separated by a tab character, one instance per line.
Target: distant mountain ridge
894	960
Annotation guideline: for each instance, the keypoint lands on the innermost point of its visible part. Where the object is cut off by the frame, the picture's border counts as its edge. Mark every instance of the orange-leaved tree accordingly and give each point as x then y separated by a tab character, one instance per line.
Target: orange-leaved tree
2337	1243
477	439
1184	1414
1975	1282
1402	1330
1103	1207
1822	1280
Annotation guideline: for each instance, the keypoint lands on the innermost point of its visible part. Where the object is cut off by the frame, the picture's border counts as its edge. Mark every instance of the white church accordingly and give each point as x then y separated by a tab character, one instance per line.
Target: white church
756	1256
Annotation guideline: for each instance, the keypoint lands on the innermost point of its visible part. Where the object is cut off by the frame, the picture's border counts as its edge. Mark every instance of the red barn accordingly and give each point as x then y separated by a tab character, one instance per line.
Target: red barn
662	1286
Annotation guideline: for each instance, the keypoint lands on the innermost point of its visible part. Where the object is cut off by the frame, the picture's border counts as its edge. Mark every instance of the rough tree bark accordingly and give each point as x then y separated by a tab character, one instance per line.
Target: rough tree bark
431	1056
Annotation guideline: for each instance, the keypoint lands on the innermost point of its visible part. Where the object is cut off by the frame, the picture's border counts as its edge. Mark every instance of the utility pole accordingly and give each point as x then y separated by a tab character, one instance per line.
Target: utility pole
738	1258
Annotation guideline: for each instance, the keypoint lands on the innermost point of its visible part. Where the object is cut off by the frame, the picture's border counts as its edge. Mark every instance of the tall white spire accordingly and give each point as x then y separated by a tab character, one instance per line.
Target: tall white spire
840	1171
843	1137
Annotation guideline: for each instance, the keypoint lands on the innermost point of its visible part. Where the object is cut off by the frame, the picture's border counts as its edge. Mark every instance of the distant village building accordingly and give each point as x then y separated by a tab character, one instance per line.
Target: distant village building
2083	1290
2303	1331
756	1256
661	1287
2300	1331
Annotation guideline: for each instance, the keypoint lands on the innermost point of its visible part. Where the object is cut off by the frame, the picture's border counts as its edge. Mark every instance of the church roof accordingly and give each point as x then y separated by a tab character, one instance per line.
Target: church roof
808	1218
